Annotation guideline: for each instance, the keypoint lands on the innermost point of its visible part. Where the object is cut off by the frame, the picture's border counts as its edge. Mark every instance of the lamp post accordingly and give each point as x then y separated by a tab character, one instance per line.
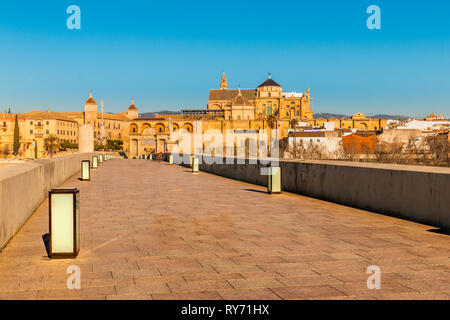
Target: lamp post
64	223
85	170
94	162
274	180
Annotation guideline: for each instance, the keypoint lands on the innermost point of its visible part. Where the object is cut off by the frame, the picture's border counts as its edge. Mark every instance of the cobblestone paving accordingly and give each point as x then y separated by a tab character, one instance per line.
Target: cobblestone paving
155	231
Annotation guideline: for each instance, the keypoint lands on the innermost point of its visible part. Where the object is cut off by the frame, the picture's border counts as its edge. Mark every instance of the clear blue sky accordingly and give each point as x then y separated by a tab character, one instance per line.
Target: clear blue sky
168	54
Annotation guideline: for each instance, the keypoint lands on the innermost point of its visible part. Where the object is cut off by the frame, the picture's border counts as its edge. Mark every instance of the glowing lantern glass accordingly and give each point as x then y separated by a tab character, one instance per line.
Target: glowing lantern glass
274	180
94	162
195	165
100	158
85	170
64	222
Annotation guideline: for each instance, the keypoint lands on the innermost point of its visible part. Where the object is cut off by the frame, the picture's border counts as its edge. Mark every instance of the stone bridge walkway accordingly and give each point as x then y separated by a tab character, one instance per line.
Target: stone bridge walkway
154	231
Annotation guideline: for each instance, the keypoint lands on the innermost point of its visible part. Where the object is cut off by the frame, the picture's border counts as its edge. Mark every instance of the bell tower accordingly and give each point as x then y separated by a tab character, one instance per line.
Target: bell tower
90	110
223	82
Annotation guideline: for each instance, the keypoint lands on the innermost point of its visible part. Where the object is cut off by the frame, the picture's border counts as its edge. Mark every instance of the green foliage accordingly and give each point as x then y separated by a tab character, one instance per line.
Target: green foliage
114	144
51	144
110	145
66	144
16	145
293	123
271	120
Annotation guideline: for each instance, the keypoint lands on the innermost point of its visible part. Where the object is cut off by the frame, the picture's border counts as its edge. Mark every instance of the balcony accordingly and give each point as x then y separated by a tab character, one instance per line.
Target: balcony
39	126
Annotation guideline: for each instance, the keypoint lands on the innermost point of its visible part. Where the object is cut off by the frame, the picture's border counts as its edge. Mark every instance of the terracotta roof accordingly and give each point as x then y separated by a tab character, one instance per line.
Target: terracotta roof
50	115
113	116
90	100
220	94
308	134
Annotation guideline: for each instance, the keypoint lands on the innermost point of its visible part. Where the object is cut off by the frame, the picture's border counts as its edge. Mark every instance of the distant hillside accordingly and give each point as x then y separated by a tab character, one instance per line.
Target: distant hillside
338	116
328	115
154	114
388	116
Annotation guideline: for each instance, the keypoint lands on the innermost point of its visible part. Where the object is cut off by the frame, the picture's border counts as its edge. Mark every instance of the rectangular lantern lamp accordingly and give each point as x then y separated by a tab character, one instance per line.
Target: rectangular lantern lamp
64	222
100	158
85	170
170	159
195	165
94	162
274	180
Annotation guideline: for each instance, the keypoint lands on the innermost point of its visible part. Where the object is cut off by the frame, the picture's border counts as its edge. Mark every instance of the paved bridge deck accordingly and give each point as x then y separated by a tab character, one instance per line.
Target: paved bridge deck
154	231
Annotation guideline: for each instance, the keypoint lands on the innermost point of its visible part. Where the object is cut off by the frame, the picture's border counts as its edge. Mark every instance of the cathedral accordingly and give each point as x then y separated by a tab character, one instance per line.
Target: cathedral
255	104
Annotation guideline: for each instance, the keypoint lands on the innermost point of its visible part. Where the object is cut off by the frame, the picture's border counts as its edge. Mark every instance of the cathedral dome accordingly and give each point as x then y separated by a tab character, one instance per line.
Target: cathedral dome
269	83
132	107
91	100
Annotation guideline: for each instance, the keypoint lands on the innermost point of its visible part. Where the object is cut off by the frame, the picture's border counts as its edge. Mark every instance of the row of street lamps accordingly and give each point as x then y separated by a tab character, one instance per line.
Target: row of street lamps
63	239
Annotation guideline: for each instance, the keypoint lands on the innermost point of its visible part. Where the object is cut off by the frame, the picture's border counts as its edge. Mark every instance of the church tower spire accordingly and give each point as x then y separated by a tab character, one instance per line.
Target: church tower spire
223	82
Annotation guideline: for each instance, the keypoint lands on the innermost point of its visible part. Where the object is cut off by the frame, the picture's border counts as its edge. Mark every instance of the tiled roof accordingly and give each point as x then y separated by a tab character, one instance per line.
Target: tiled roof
50	115
269	83
240	100
219	94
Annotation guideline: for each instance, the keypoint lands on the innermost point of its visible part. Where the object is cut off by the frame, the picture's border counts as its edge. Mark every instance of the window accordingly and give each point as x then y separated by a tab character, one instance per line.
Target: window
47	123
39	123
270	94
31	122
31	131
46	131
287	113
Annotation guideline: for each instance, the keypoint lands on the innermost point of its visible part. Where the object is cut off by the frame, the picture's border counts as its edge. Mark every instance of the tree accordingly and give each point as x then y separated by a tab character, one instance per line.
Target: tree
16	145
271	120
114	144
51	144
293	123
66	144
